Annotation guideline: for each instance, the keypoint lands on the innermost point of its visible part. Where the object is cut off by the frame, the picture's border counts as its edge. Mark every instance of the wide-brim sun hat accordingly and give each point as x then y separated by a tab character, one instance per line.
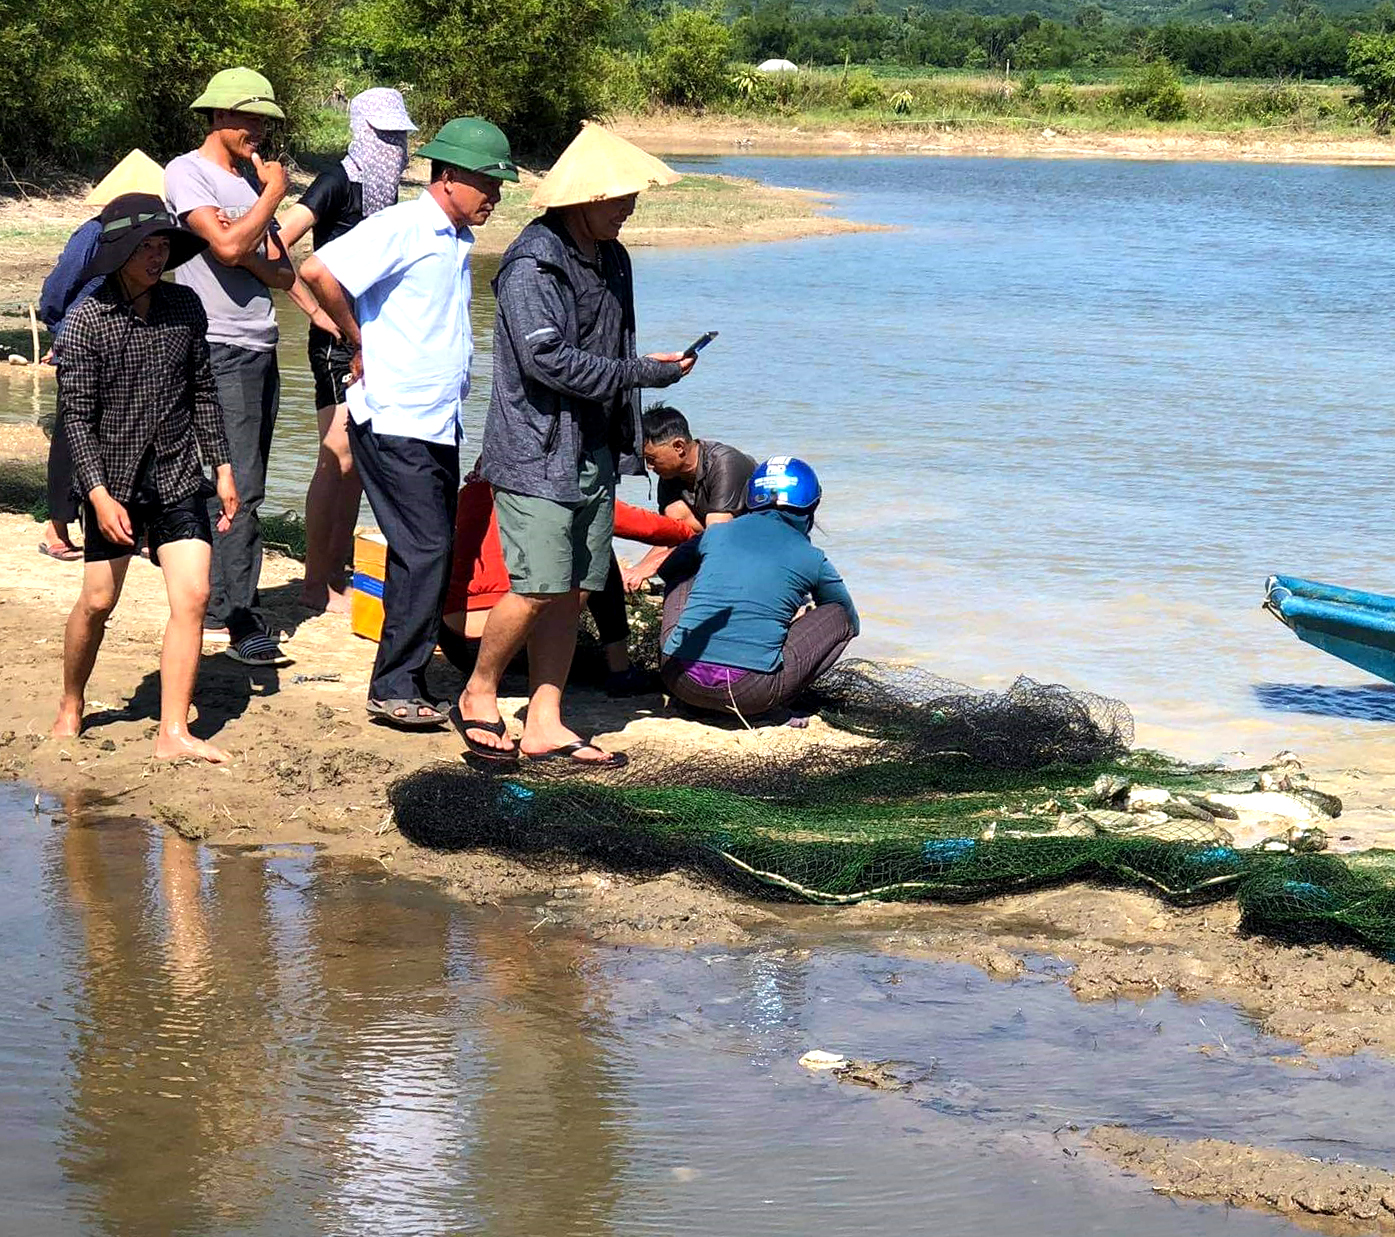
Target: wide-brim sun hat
597	166
136	173
128	220
239	90
475	145
384	108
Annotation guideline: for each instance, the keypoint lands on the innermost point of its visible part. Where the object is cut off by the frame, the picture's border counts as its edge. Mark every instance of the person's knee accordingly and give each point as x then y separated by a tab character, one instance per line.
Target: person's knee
97	602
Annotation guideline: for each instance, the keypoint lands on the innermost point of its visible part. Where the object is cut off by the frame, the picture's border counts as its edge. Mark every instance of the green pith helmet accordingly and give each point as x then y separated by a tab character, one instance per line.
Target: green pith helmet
473	144
239	90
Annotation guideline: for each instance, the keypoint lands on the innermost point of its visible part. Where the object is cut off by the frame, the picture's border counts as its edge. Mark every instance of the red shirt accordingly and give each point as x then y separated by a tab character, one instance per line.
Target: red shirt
478	576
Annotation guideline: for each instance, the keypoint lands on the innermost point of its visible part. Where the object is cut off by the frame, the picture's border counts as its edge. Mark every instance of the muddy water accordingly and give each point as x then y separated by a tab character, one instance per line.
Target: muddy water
263	1042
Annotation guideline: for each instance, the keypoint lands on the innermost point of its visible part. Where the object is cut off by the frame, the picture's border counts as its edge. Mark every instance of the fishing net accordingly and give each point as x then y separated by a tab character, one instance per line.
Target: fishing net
926	789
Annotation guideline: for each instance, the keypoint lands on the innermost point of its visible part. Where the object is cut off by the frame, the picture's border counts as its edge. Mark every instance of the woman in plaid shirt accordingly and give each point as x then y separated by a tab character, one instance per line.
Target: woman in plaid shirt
139	405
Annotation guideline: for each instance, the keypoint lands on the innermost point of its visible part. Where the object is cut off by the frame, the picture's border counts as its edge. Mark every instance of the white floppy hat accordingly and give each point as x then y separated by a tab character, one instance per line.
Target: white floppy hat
596	166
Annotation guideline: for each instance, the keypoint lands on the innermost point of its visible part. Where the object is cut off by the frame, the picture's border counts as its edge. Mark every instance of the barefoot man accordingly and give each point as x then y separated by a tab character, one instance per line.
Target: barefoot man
139	405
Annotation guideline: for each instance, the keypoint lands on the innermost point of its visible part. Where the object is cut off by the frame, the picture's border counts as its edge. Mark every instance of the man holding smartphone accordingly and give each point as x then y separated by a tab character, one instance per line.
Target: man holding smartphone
563	425
226	194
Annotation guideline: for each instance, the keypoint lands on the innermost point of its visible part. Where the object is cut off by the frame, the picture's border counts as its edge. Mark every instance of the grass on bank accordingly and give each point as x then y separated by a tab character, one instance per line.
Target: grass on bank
1148	98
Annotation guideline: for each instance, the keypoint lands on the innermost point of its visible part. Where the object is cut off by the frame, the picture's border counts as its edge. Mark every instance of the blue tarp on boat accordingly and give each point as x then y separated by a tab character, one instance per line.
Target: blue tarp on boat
1355	626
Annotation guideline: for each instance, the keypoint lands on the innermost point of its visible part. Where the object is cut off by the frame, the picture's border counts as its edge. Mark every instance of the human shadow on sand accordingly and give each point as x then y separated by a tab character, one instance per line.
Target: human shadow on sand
1373	702
225	689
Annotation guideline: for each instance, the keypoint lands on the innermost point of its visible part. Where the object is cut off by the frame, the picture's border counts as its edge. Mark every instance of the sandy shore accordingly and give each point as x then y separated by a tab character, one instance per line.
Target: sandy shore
309	767
725	135
700	210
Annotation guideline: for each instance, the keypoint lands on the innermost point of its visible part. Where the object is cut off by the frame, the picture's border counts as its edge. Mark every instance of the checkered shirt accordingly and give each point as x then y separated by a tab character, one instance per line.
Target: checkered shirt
137	395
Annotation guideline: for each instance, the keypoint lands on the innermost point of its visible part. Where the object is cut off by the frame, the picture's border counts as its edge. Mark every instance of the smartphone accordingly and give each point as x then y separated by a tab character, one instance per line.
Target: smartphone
699	344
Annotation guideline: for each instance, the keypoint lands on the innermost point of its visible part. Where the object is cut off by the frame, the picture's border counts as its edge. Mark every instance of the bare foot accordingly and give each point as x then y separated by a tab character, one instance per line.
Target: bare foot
183	746
326	600
482	707
69	723
539	743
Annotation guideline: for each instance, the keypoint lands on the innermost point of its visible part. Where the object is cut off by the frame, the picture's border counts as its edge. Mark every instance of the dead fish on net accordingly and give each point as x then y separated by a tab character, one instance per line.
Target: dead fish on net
1157	826
1303	803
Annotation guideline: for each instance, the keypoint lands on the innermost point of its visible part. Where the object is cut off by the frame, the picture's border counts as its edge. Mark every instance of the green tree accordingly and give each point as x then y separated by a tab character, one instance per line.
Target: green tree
532	68
688	54
1371	65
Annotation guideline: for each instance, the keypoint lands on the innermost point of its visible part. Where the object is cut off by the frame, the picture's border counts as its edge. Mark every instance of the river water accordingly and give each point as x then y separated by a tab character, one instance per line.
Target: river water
1068	416
268	1042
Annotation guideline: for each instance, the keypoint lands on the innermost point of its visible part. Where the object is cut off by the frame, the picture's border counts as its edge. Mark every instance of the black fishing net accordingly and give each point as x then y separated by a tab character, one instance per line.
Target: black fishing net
921	788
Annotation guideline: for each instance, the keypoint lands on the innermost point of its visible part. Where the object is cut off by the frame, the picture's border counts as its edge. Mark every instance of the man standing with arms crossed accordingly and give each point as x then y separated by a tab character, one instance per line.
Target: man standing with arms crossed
407	270
226	194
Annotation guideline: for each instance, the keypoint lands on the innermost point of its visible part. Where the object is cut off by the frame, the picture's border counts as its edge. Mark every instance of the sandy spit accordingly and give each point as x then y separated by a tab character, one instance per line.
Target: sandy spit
1336	1198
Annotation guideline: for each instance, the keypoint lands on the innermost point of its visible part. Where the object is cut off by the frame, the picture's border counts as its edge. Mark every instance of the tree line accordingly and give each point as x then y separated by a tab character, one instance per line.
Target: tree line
1301	42
82	81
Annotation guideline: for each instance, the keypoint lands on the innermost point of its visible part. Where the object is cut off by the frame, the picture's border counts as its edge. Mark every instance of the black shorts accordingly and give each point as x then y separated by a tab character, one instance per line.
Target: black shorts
185	520
330	362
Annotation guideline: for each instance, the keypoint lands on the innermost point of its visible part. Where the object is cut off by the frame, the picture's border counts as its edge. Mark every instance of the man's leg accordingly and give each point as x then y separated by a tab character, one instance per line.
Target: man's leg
331	508
185	565
507	630
82	637
248	391
412	487
607	606
553	640
62	503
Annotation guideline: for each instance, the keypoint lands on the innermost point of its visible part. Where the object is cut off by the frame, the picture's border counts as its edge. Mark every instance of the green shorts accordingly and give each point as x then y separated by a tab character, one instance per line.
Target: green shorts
552	547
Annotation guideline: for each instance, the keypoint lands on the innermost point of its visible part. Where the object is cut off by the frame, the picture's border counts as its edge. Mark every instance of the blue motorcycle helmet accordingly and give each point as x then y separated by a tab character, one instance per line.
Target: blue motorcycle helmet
784	482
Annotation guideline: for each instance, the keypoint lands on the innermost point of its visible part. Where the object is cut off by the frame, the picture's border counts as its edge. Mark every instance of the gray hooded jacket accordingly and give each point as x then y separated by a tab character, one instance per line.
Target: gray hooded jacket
546	383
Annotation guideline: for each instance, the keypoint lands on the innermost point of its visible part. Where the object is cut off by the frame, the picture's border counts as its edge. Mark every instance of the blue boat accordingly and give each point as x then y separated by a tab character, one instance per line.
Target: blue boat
1357	627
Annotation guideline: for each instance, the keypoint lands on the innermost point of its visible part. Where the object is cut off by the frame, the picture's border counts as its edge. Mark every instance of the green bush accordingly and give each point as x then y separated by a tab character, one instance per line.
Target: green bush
1156	91
1059	98
688	53
533	69
1371	65
861	90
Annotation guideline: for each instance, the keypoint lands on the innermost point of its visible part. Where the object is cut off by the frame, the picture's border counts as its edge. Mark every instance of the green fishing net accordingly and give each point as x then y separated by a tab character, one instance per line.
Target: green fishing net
924	789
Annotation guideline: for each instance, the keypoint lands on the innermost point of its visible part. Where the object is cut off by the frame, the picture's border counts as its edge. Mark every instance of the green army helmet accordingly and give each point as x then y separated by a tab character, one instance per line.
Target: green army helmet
475	145
239	90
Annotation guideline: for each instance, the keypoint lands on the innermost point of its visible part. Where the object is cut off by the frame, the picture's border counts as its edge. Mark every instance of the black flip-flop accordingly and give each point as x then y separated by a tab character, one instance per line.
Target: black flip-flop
568	752
483	750
412	718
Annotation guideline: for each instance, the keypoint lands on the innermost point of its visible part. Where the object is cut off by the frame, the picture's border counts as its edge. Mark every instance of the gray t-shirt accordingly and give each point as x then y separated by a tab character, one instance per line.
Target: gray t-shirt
719	488
237	303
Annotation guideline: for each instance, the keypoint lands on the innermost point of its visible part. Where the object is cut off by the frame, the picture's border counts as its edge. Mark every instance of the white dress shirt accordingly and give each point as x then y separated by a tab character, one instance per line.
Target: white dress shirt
408	270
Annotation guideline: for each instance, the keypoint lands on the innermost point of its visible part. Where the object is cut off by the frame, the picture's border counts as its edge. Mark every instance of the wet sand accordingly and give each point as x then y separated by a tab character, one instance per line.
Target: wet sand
1332	1197
724	135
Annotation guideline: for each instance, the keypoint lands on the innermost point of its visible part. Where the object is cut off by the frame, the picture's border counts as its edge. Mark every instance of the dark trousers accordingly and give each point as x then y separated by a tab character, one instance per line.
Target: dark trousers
249	388
608	607
62	501
412	487
815	641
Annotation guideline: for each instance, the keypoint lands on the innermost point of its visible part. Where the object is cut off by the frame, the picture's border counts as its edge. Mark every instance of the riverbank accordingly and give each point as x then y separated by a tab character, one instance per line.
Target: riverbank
698	210
308	767
725	134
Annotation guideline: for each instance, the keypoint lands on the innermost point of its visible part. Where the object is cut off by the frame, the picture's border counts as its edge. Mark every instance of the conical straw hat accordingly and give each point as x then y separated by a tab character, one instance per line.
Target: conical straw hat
598	165
136	173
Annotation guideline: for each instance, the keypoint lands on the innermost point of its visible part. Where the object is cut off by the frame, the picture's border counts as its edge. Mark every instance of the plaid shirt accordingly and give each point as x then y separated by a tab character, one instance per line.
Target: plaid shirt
137	394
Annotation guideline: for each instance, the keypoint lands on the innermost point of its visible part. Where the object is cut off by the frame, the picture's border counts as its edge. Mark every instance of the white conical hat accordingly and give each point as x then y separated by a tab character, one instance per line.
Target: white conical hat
136	173
598	165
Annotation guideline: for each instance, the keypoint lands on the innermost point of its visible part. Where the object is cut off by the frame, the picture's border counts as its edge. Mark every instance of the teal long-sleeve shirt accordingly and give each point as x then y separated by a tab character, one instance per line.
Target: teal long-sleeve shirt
753	574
